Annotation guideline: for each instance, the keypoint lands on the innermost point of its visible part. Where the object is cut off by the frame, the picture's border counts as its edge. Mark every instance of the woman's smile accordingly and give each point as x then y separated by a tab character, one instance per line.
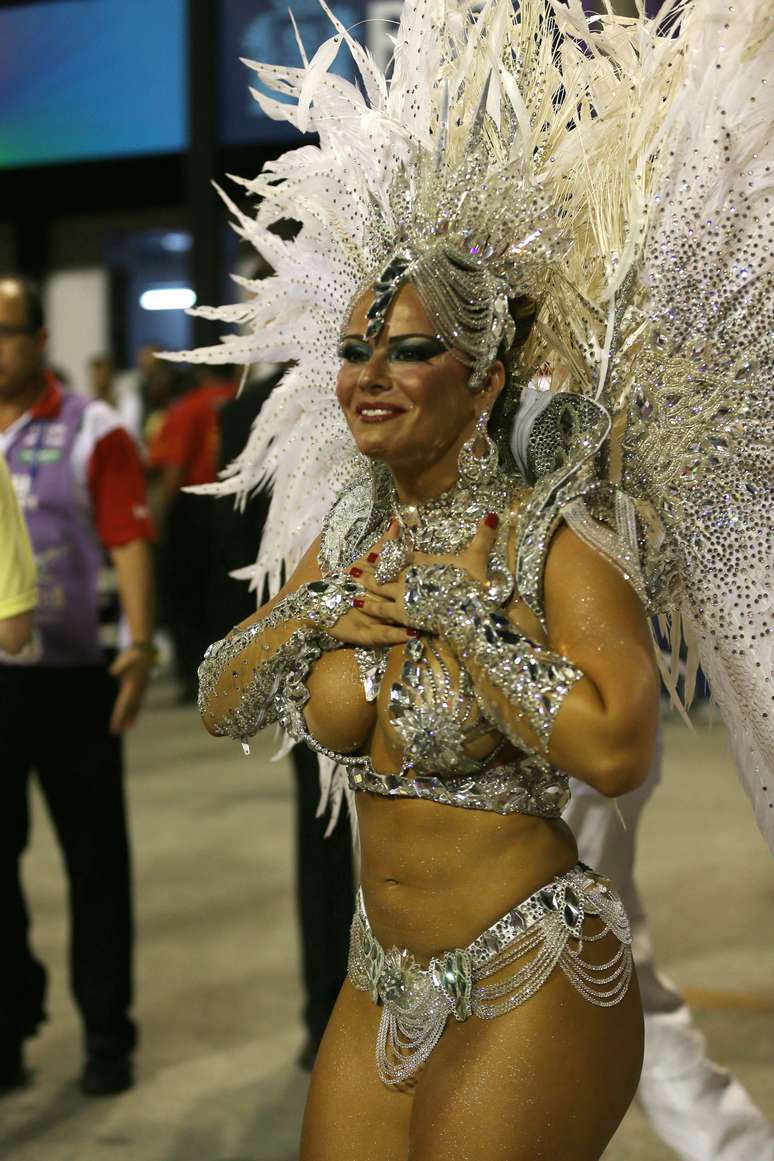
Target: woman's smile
378	411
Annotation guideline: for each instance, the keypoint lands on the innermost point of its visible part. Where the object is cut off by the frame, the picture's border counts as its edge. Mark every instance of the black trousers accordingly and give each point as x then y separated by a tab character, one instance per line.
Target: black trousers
55	722
325	886
185	579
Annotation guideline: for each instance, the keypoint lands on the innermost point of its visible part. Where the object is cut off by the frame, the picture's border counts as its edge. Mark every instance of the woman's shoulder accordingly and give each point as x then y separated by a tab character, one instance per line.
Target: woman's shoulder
588	512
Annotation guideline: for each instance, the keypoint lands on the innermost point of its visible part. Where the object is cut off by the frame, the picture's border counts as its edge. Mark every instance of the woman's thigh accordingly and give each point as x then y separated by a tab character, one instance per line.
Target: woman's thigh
551	1079
350	1115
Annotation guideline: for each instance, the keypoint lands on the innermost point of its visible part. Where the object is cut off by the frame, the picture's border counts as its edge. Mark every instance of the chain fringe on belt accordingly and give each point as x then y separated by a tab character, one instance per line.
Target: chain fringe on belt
417	1001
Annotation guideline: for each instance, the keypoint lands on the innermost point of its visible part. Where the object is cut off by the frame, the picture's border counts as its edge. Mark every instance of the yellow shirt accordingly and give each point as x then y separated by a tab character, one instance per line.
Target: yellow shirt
17	566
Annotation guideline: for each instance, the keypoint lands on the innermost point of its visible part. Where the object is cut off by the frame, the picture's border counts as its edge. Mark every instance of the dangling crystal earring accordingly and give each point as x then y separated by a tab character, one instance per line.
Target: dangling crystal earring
478	459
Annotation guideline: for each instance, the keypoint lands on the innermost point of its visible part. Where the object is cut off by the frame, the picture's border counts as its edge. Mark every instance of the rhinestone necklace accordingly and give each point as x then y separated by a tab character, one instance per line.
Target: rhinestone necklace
445	524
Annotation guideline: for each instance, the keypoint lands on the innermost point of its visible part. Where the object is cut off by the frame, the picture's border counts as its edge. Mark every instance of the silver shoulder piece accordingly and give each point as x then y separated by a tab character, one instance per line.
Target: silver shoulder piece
606	519
358	516
565	449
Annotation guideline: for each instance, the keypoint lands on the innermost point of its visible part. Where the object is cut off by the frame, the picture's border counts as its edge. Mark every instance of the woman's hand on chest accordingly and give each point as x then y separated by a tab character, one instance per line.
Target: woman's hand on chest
364	626
337	714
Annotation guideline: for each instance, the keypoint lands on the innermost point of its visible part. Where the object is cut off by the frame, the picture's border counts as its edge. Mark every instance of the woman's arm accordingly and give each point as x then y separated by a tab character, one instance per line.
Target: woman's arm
274	650
237	675
605	732
588	698
15	632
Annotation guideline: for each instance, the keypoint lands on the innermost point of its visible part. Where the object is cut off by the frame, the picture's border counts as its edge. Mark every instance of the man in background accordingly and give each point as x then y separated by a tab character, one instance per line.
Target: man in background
63	709
101	373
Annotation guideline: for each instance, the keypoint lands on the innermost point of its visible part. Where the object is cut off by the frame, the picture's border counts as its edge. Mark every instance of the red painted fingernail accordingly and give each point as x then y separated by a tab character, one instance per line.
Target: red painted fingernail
491	519
392	521
356	572
372	557
358	603
412	632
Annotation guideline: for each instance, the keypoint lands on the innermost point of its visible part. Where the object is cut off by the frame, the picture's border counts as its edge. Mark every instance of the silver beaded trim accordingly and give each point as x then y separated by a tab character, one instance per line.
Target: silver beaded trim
528	785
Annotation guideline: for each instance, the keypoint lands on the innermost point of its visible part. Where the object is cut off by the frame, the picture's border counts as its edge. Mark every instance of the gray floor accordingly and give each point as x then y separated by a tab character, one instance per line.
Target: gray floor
218	988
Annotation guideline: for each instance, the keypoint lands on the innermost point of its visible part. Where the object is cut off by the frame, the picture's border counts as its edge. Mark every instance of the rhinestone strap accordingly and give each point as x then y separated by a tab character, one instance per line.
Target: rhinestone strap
548	928
562	454
606	520
529	786
448	602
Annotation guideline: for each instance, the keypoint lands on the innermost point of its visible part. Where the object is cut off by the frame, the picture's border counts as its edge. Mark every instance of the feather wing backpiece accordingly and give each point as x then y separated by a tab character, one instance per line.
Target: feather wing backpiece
625	162
688	358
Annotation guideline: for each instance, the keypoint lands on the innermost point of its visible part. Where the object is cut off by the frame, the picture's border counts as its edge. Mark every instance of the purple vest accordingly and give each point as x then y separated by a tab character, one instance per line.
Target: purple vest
69	556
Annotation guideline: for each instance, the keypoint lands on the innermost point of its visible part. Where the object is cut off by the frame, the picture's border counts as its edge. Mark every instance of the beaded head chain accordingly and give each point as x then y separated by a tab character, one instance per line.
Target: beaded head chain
471	238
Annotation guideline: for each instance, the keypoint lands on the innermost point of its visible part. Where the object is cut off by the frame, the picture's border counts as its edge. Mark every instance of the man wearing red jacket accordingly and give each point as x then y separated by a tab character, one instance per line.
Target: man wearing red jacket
66	700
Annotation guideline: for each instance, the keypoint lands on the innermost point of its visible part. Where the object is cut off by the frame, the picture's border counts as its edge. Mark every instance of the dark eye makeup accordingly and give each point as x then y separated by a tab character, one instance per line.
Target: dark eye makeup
401	349
354	351
416	348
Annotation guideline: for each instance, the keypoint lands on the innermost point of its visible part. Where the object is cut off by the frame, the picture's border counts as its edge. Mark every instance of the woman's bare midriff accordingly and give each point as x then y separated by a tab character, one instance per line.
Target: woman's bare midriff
435	876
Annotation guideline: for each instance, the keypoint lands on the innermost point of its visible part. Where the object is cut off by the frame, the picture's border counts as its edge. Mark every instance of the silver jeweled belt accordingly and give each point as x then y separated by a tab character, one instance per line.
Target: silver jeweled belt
417	1001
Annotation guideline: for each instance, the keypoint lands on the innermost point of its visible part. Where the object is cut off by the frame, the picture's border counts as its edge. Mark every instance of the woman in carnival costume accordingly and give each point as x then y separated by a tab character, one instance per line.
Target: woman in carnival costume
456	635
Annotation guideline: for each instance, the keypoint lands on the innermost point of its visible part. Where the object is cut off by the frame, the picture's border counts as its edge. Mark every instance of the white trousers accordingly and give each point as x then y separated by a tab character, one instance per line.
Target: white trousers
696	1107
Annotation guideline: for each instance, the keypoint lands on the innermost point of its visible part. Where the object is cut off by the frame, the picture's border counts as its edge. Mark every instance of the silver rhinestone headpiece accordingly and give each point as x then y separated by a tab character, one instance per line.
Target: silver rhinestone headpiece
469	237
